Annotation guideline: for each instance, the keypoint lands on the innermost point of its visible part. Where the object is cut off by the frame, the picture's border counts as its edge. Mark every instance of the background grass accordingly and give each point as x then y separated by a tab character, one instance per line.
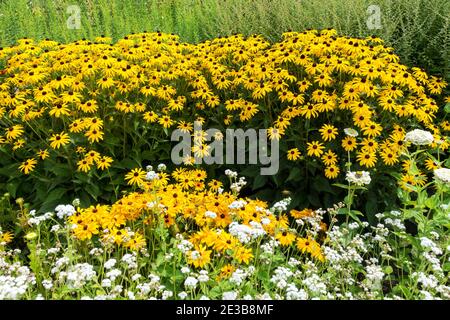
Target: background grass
419	30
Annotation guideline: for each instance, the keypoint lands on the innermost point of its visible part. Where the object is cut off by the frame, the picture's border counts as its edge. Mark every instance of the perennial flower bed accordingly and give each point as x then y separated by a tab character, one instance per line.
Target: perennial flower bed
358	210
76	116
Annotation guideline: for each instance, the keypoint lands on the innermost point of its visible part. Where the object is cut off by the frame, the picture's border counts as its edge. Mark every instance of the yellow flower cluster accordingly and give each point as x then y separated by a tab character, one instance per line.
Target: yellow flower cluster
198	210
309	86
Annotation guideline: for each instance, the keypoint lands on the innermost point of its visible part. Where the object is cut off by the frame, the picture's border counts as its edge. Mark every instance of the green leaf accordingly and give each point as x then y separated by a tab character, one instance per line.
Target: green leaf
321	184
259	182
313	199
432	202
294	175
340	185
93	190
52	199
12	188
447	108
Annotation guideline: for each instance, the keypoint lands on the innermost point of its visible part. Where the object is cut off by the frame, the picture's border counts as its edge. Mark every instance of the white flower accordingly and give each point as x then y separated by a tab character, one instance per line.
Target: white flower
113	274
167	294
185	270
203	277
210	214
151	175
190	282
281	205
358	178
229	295
106	283
110	263
419	137
136	277
231	174
443	175
351	132
64	211
47	284
182	295
162	167
55	228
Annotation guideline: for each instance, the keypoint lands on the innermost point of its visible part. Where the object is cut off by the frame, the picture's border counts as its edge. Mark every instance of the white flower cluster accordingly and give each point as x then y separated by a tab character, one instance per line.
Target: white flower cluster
315	285
419	137
237	204
129	260
77	275
190	283
37	220
430	245
238	185
151	175
15	280
281	277
231	174
63	211
281	206
229	295
245	233
358	178
443	175
185	246
293	293
239	276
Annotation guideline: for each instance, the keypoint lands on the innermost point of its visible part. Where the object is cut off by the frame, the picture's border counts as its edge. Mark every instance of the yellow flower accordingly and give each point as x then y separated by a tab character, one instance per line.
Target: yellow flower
59	139
315	148
14	132
328	132
331	172
329	158
431	164
135	176
367	158
293	154
43	154
243	255
84	165
199	257
349	143
104	162
6	237
28	165
285	238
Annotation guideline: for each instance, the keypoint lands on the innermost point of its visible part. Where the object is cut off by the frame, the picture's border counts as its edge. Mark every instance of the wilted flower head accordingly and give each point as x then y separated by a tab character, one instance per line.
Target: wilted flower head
419	137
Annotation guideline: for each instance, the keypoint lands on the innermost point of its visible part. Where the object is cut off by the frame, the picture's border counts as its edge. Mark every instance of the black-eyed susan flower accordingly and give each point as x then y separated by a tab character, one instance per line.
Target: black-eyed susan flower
43	154
104	162
59	139
285	238
293	154
315	148
14	132
367	158
135	176
28	165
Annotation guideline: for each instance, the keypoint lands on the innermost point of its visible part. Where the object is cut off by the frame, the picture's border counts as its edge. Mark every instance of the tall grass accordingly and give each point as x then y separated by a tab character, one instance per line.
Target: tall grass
417	29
